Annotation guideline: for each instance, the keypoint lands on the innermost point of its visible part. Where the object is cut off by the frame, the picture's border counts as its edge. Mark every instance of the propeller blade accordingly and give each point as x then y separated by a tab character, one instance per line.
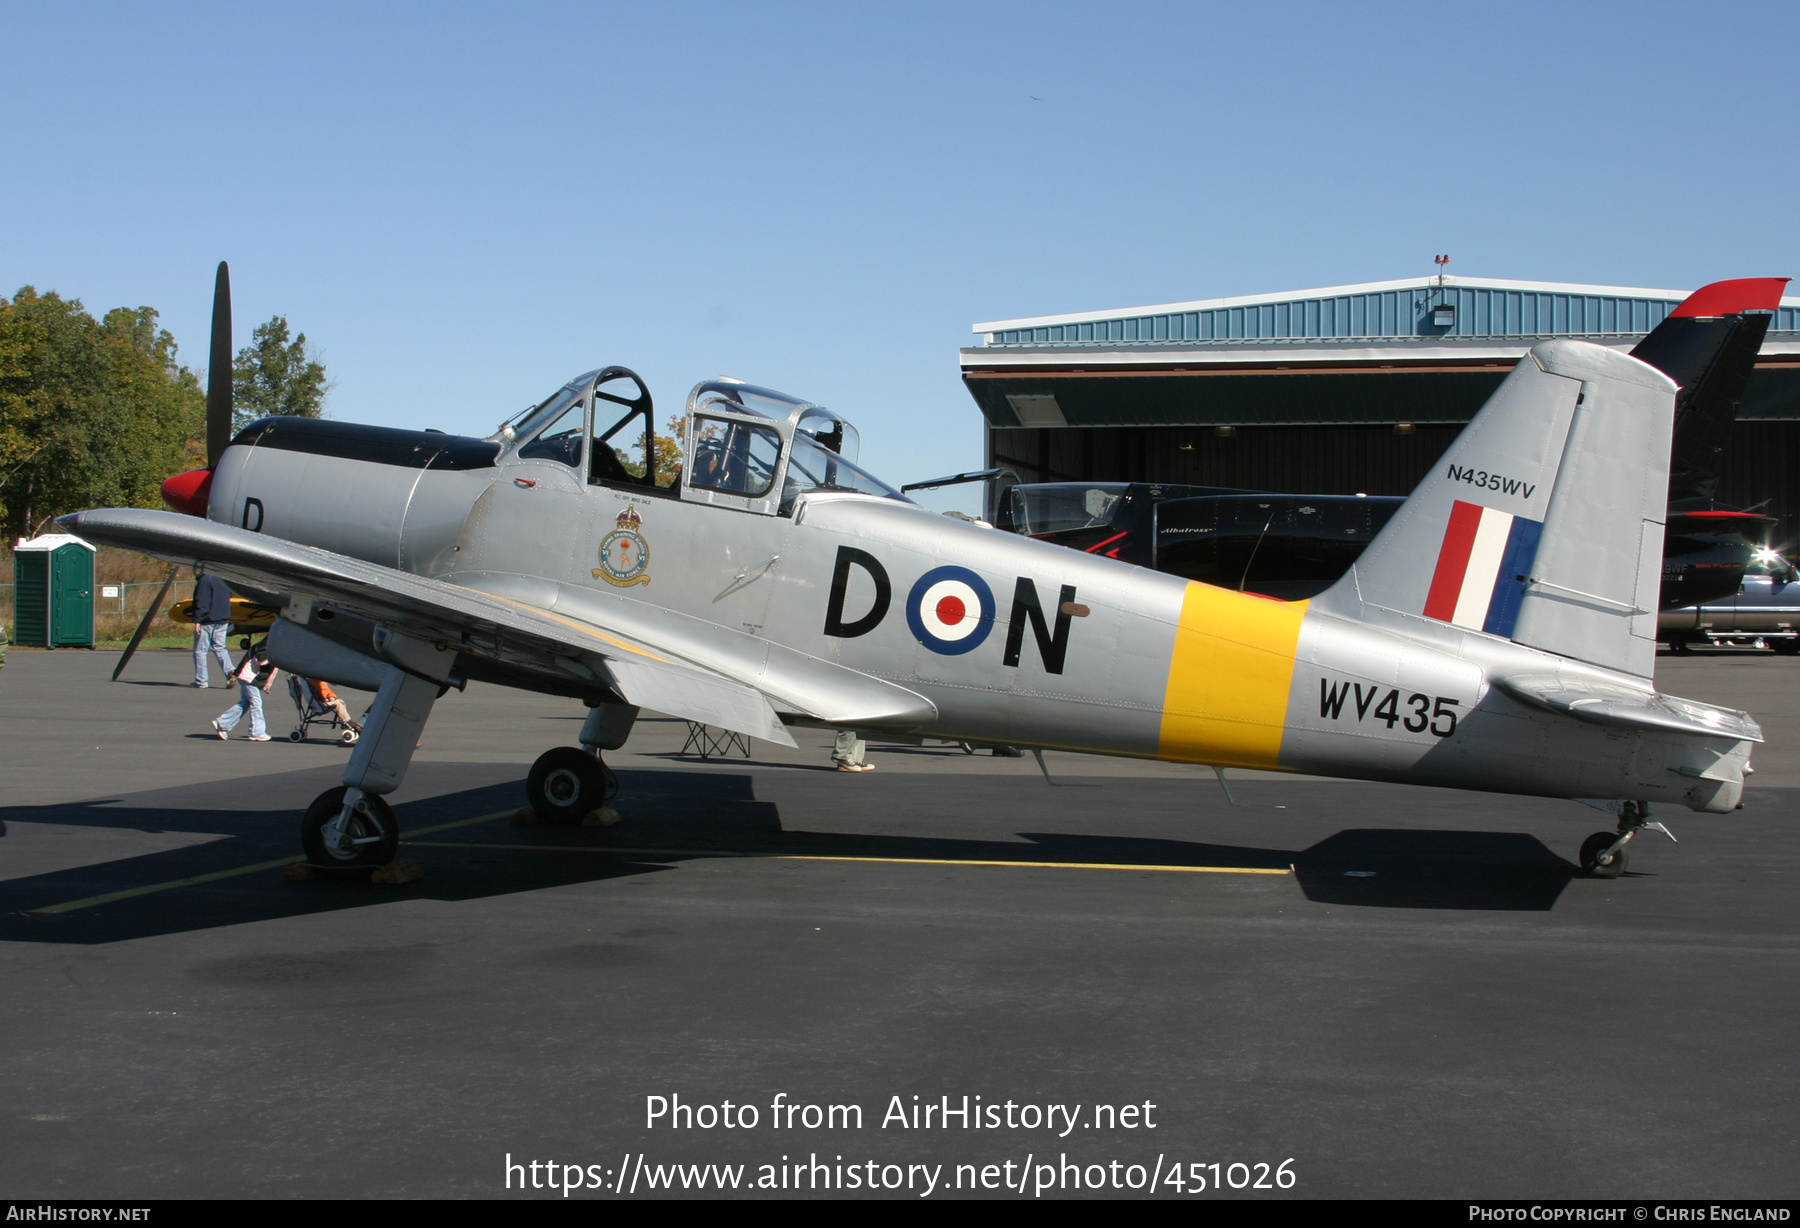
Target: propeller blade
218	377
137	637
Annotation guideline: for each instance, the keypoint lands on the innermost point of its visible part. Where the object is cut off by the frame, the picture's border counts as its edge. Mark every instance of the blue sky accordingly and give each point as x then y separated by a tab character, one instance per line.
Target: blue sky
463	207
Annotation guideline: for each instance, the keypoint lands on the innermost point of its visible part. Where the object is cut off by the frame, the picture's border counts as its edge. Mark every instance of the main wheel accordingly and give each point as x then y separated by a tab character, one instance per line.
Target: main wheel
566	785
1593	847
373	829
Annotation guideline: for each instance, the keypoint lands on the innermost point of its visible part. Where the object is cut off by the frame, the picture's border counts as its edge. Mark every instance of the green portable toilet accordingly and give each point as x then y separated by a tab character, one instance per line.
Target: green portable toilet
53	592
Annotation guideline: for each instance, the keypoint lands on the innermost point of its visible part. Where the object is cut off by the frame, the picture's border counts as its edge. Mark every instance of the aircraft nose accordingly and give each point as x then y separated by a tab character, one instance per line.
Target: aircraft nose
188	492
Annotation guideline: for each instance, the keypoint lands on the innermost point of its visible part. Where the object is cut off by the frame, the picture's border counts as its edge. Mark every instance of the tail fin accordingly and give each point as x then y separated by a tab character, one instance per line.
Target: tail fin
1708	345
1544	521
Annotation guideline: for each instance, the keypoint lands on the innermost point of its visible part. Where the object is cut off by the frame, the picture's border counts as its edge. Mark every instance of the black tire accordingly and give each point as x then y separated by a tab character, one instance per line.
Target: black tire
566	785
295	736
1786	648
1592	847
1680	645
374	822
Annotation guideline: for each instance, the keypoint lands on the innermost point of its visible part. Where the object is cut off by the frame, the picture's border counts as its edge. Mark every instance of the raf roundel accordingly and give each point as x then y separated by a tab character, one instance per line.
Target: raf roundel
950	610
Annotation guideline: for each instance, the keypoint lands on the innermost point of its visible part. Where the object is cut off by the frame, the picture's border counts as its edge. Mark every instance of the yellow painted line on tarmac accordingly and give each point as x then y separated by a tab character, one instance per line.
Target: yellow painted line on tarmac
129	892
109	897
898	861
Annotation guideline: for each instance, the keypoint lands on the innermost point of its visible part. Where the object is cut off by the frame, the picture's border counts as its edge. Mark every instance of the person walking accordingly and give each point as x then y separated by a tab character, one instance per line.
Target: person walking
212	620
255	676
847	752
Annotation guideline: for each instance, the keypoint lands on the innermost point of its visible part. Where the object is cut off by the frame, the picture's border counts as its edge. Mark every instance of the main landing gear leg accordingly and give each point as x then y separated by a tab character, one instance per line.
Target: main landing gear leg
1603	853
351	825
567	785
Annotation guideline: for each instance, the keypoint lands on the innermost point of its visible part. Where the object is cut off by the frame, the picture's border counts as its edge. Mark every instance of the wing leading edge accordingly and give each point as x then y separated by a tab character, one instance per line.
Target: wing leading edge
647	656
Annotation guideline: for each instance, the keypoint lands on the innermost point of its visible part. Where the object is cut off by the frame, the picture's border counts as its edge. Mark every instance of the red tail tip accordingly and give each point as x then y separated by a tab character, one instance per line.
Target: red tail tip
188	492
1725	298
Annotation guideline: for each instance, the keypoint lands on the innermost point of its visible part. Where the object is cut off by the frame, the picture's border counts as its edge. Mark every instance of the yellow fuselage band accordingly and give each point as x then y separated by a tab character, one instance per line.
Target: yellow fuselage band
1229	676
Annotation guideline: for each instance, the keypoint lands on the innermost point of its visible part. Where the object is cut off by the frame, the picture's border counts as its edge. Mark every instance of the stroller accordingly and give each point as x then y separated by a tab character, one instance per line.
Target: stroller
312	712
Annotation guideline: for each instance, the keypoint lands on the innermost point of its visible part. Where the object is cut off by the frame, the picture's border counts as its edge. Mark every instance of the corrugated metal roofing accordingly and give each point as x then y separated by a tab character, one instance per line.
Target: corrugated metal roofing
1484	308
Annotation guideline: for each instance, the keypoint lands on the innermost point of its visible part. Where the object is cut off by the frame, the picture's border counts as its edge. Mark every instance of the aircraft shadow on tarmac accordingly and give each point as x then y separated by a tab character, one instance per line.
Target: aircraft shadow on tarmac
671	817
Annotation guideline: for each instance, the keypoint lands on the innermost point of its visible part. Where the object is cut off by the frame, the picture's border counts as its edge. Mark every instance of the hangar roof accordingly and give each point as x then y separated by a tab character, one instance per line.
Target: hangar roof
1483	308
1362	354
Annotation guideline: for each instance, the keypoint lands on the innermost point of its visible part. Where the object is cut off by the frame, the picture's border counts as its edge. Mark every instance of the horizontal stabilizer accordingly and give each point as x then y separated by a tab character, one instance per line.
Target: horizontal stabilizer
1608	705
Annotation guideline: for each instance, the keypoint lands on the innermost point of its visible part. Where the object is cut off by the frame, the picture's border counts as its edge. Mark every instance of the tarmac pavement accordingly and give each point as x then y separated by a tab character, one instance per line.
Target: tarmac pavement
1405	992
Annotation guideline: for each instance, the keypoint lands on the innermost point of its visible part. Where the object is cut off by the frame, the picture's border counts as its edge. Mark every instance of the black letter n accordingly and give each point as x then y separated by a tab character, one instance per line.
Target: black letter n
1051	647
840	582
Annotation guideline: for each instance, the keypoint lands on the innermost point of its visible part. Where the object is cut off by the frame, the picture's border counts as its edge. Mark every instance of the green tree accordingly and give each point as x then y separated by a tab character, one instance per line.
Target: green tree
668	453
157	414
92	414
272	376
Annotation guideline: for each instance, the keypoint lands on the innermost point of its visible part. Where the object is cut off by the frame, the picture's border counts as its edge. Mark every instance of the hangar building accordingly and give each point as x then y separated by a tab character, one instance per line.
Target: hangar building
1335	391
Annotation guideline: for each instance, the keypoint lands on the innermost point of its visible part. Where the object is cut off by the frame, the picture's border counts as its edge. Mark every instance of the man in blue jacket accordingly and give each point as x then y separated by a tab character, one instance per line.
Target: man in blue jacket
212	619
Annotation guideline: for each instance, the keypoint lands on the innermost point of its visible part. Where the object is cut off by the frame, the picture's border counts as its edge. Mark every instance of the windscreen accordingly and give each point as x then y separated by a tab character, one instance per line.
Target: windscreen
815	467
552	408
1059	507
561	440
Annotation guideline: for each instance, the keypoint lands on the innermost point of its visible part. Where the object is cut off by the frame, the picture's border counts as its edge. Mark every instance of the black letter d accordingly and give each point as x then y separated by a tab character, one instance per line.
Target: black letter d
840	581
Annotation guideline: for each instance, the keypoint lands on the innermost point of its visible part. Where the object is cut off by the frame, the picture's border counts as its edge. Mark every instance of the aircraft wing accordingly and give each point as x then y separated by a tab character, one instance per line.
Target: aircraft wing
651	657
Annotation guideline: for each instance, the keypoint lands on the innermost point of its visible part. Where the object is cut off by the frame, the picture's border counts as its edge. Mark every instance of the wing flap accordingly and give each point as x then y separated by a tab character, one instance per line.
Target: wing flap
694	696
821	689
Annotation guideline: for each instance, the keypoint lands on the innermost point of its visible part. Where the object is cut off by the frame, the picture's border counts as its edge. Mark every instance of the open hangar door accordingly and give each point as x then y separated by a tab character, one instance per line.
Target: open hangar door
1371	432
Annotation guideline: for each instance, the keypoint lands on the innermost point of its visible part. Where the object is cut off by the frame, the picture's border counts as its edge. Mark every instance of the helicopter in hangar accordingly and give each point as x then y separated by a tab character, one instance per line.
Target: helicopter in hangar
1293	546
1497	638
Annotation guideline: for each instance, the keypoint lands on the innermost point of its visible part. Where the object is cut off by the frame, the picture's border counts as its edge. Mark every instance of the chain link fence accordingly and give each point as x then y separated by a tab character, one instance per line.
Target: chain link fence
118	607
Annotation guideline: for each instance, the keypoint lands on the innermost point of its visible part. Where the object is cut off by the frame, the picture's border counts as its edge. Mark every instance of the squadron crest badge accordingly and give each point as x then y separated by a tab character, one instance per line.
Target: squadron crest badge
624	556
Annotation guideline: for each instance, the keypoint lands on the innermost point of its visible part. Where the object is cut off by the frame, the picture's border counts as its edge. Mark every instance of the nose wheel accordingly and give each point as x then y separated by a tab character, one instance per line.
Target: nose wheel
368	835
567	784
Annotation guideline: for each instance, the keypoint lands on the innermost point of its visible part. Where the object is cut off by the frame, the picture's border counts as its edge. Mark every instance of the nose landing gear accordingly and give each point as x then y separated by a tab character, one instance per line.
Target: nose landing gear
363	833
1603	853
352	826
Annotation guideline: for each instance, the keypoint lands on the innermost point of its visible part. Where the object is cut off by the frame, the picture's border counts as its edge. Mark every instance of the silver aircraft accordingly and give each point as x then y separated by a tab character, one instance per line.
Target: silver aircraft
1499	634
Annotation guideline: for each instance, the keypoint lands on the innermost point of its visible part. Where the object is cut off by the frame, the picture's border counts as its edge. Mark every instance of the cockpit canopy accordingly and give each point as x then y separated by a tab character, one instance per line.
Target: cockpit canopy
738	434
743	446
